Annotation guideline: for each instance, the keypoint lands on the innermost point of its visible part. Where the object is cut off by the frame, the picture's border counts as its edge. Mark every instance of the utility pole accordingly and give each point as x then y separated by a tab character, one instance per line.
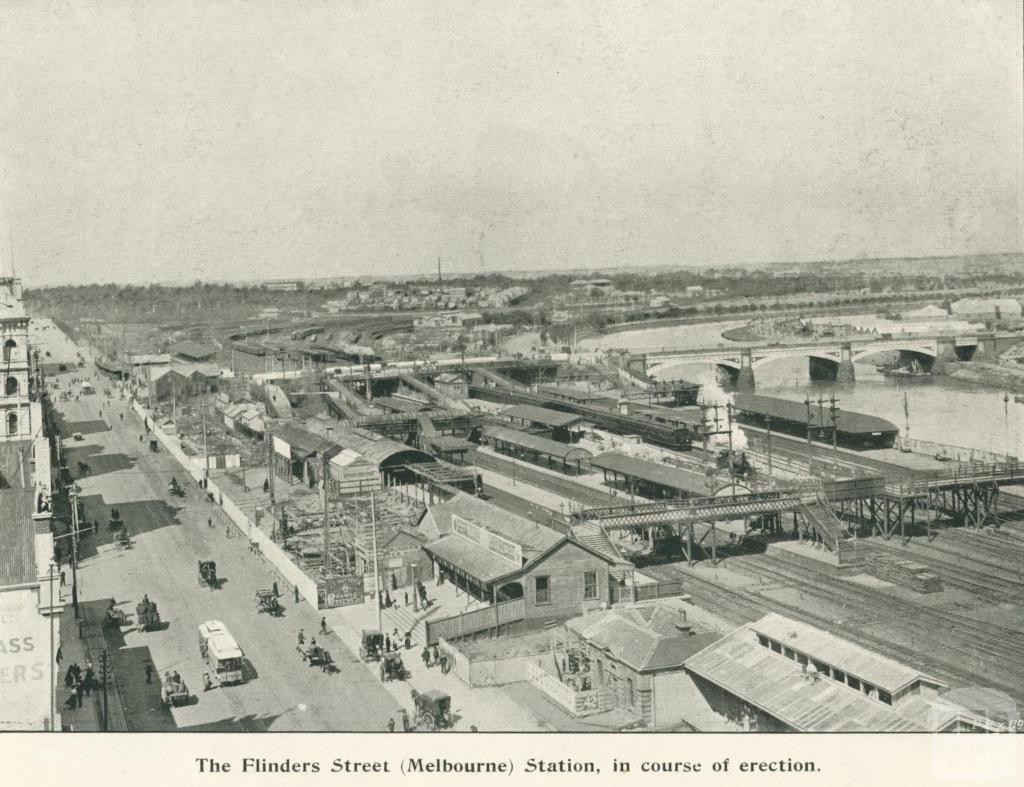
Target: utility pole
53	660
105	676
74	548
327	524
834	412
206	450
807	404
768	424
376	566
270	483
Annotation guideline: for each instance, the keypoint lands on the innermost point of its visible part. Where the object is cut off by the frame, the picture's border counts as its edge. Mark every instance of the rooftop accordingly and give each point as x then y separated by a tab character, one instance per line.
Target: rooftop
541	415
668	476
17	537
537	444
647	638
785	410
531	536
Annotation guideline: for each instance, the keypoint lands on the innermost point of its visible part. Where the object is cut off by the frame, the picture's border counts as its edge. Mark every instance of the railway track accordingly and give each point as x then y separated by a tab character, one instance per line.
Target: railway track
752	605
994	644
953	567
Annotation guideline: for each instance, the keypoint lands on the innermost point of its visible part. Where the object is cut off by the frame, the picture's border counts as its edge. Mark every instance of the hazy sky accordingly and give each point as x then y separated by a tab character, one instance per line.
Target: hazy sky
177	140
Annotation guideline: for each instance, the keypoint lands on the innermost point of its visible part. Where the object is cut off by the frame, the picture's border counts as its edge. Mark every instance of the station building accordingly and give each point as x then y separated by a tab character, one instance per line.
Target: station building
496	556
782	675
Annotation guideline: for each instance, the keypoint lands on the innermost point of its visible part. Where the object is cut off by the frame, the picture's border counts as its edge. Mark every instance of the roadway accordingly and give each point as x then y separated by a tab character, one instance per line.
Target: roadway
281	692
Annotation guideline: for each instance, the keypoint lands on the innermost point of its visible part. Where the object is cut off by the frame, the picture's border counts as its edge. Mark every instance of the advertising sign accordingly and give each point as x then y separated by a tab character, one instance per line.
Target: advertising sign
339	591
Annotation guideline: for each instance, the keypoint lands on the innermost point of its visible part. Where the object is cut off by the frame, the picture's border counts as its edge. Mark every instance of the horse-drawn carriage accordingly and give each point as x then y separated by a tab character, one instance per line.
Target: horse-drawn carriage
154	446
392	667
84	468
115	519
174	489
147	615
208	573
173	690
114	616
433	711
266	601
316	656
371	645
124	541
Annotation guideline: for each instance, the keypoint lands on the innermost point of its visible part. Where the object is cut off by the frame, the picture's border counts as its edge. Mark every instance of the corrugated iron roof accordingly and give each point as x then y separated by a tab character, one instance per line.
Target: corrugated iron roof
651	472
541	415
778	686
796	412
17	537
541	445
534	538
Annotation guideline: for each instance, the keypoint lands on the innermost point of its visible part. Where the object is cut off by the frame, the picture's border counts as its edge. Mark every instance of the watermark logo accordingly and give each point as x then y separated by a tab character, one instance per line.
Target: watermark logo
974	742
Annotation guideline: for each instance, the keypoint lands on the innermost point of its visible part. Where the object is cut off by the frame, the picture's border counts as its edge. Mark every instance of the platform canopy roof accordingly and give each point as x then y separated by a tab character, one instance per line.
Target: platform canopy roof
652	472
796	412
541	415
537	444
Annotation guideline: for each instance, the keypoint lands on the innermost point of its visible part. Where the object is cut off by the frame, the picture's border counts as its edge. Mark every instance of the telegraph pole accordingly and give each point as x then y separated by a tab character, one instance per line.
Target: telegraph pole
105	675
834	412
74	548
206	450
768	424
53	661
327	525
376	566
807	404
270	482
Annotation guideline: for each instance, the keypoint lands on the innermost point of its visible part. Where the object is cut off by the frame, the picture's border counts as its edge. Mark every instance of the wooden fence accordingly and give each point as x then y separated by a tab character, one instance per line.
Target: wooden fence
478	620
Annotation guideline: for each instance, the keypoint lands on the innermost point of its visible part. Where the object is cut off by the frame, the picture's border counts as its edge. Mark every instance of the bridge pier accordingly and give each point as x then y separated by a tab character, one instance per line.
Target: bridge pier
845	374
986	348
945	355
745	378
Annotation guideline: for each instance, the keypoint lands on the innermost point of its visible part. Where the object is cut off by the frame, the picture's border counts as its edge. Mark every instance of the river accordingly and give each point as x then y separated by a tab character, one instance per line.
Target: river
941	409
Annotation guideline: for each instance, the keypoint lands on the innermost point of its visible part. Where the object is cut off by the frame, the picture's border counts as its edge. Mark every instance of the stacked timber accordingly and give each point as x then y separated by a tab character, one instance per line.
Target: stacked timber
903	572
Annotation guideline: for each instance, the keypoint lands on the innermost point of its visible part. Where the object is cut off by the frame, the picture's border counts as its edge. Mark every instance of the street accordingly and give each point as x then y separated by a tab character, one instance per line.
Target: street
281	692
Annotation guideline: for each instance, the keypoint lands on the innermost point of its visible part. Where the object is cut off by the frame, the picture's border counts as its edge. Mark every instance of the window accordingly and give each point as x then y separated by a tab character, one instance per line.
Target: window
763	640
885	697
839	676
777	647
852	682
542	590
821	666
629	692
11	386
589	585
9	345
789	653
801	659
12	424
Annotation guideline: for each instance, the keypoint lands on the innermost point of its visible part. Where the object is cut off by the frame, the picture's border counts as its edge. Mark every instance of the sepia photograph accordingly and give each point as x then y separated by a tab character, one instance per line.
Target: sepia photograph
541	367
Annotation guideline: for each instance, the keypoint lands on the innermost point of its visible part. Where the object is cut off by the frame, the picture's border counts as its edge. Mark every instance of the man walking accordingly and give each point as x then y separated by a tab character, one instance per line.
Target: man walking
323	625
296	594
426	656
62	579
149	672
302	637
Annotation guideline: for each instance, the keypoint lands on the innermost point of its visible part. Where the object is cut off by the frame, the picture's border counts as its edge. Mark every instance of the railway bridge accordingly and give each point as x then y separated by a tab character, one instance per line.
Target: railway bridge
834	359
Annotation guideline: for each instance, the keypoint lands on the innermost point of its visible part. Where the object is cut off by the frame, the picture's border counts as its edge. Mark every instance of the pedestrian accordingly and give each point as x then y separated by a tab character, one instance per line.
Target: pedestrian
391	725
394	581
426	656
227	531
406	597
89	681
276	594
209	521
149	672
435	656
266	486
406	726
323	625
296	594
62	579
79	690
60	653
302	638
69	678
387	643
408	640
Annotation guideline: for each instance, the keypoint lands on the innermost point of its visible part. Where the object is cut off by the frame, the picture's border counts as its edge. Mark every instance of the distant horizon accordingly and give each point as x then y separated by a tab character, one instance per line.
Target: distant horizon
525	274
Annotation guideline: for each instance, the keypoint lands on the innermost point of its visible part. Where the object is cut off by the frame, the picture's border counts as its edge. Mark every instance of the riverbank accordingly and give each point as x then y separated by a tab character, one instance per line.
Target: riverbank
990	374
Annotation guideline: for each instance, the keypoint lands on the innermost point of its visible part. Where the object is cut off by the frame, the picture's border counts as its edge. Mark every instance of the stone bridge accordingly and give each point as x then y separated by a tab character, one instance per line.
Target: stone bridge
834	359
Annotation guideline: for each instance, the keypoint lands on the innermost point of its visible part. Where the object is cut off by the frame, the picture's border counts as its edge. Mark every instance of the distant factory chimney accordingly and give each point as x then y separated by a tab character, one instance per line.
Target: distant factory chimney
439	269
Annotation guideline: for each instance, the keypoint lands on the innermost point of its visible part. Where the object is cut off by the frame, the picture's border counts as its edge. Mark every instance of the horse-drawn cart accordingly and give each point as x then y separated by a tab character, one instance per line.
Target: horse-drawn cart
173	690
266	601
115	519
124	541
147	615
392	667
316	656
371	645
208	573
433	711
